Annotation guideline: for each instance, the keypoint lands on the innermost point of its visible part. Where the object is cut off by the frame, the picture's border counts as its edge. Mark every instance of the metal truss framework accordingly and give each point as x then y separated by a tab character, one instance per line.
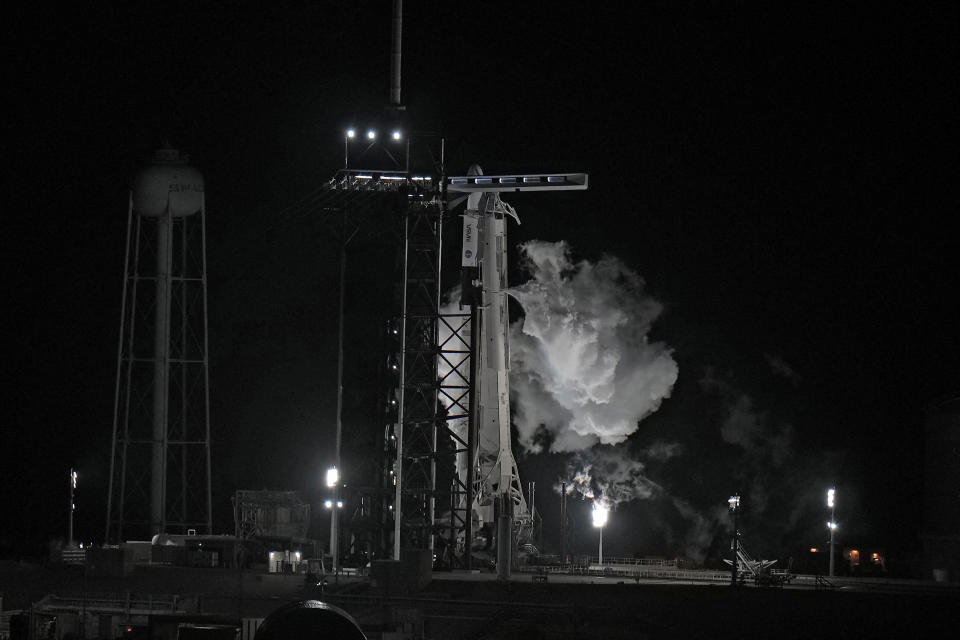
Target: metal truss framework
425	439
428	405
269	513
356	210
456	394
177	372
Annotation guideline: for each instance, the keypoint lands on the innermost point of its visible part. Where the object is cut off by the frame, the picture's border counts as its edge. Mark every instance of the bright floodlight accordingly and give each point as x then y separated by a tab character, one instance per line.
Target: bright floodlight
831	525
73	478
371	134
328	504
733	502
831	493
599	515
339	504
351	133
396	135
333	477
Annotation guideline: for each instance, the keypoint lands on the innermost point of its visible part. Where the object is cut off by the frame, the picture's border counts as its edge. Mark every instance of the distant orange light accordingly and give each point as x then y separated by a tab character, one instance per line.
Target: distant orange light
813	549
876	555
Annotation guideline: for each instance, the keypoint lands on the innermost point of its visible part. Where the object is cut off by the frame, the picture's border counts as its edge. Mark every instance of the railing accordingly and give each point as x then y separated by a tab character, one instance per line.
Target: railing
73	556
110	602
552	562
635	562
635	568
655	572
822	583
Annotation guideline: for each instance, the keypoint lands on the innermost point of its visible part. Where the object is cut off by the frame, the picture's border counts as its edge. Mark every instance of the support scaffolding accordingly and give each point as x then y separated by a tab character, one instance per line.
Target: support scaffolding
419	417
421	498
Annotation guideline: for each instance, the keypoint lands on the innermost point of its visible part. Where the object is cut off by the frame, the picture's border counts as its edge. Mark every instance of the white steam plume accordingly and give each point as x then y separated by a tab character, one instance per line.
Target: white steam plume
748	427
702	530
582	367
608	475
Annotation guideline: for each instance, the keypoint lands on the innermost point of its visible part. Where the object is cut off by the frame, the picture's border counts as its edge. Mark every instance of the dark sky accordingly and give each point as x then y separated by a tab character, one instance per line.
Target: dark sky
782	177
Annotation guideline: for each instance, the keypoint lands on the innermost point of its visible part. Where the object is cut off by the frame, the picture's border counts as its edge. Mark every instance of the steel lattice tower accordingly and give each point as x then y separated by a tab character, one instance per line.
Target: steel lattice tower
418	415
160	455
431	494
427	498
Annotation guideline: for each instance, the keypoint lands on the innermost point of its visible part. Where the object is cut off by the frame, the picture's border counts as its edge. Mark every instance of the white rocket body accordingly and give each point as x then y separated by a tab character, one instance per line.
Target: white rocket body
496	467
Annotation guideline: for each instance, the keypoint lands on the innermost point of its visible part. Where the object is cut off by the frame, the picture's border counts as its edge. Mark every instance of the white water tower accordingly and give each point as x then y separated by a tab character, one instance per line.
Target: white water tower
160	456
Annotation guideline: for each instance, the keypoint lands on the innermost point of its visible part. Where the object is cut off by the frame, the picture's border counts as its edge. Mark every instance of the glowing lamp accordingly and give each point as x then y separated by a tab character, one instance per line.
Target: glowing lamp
351	133
831	493
333	477
371	135
328	504
395	135
599	515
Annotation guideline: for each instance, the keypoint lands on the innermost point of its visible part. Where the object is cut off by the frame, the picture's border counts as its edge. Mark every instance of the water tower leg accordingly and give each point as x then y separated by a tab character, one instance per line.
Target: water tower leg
161	357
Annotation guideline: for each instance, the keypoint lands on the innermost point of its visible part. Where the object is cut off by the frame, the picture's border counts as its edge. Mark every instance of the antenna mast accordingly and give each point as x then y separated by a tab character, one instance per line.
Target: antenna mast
396	45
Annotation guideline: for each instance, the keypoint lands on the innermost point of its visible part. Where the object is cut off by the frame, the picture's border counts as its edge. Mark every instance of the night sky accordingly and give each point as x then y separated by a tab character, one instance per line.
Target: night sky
782	178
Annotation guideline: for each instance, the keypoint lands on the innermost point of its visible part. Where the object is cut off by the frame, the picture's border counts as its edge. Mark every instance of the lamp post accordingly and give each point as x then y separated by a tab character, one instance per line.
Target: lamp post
734	504
832	525
333	482
563	523
73	507
600	513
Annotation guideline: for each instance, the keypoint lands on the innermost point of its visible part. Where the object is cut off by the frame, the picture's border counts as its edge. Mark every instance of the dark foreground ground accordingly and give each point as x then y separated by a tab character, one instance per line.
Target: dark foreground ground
658	611
485	609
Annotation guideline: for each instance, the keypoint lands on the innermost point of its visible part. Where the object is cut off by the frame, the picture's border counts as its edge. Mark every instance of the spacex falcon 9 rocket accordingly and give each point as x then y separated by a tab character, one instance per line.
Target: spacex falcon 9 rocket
498	495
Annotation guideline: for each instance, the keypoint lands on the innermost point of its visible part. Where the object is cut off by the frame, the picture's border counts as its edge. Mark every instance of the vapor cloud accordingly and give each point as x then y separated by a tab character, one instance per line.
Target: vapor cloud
748	427
583	369
609	475
702	529
780	367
